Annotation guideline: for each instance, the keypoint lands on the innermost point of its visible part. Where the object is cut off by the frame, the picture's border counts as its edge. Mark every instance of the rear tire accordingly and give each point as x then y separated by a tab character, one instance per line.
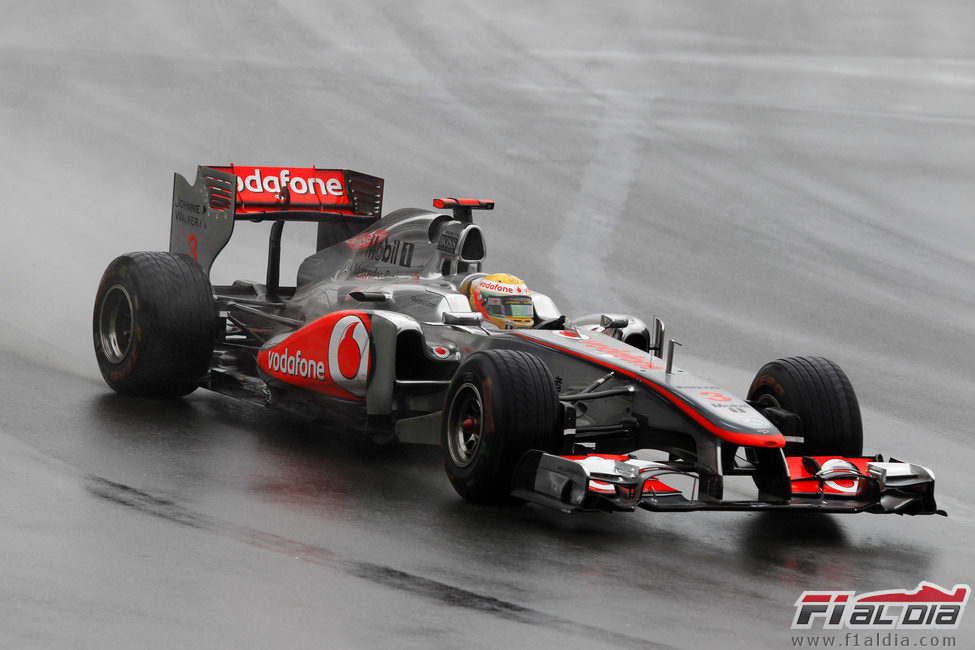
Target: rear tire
500	404
820	394
154	324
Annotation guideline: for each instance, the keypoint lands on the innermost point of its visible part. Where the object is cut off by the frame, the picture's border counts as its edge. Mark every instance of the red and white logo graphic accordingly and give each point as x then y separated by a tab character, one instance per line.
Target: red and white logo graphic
440	352
348	354
803	482
329	355
502	287
307	186
367	239
571	334
927	607
271	180
641	360
841	465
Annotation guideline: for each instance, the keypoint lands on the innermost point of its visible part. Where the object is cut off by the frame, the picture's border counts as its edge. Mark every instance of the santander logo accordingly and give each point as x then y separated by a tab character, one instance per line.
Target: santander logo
329	355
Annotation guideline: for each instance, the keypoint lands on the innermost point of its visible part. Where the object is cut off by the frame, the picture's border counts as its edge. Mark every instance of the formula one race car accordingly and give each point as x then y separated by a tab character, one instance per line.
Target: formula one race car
395	330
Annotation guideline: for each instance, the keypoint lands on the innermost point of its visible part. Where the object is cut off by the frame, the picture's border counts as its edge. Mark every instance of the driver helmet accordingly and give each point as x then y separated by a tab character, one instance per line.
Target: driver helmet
503	299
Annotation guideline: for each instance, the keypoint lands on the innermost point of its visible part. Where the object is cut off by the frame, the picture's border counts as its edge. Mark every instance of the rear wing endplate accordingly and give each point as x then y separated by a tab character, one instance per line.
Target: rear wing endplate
462	207
343	203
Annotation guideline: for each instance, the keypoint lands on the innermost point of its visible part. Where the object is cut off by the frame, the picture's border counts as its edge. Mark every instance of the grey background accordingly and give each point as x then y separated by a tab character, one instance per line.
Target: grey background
771	178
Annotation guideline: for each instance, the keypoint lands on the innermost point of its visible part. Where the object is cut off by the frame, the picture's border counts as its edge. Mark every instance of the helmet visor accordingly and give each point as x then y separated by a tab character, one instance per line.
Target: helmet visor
510	306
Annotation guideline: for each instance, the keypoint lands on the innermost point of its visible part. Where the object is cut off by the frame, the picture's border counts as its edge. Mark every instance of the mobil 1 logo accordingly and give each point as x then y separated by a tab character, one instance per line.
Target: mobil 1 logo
392	251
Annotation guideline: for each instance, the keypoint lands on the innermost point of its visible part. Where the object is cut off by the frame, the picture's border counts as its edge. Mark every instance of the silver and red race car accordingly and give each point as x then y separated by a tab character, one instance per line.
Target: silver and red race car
379	335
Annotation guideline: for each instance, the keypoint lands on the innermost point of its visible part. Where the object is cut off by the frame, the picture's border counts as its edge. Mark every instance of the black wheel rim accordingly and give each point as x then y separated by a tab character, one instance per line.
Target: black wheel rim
767	400
465	425
115	323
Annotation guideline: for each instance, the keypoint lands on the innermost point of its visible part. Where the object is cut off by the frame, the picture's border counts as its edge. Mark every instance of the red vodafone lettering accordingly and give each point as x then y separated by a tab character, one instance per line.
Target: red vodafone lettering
303	186
498	287
644	362
298	181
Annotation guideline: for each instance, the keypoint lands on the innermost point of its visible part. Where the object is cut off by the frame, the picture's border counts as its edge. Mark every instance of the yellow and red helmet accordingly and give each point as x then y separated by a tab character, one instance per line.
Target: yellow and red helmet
503	299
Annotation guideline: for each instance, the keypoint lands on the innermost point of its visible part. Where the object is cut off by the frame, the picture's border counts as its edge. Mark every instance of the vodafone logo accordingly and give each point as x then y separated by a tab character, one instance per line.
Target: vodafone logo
440	352
295	366
571	334
272	182
846	486
642	360
329	355
807	481
499	287
348	355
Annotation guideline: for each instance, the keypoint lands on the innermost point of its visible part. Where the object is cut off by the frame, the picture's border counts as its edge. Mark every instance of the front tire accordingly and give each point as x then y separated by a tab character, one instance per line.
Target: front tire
820	394
154	324
500	404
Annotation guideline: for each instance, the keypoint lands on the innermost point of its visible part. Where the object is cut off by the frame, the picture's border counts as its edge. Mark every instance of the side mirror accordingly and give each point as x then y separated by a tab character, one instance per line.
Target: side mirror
614	321
657	342
471	318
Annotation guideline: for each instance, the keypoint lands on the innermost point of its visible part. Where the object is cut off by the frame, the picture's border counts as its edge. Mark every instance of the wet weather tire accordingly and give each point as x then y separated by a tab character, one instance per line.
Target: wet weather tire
820	394
500	404
154	324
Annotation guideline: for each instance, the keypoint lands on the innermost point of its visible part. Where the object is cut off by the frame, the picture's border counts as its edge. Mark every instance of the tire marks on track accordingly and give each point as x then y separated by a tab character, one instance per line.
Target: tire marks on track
386	576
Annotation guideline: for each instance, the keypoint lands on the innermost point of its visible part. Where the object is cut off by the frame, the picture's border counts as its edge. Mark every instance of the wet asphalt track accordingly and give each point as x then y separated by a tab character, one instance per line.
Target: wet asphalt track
771	178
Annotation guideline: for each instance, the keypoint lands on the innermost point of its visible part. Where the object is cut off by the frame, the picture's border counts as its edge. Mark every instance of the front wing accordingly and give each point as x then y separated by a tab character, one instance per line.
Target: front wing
611	482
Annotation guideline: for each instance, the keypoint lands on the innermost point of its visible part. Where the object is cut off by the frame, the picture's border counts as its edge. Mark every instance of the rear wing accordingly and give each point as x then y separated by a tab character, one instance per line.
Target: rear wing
341	201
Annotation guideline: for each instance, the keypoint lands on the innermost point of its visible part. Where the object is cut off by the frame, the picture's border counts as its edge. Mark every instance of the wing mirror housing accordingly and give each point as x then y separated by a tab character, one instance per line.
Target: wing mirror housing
614	321
657	338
